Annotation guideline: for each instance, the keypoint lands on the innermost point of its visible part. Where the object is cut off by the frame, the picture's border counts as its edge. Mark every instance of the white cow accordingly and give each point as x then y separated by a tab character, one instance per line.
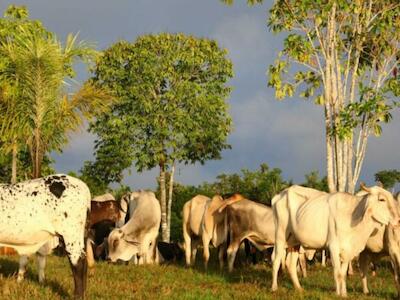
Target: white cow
203	223
138	237
385	241
339	221
34	212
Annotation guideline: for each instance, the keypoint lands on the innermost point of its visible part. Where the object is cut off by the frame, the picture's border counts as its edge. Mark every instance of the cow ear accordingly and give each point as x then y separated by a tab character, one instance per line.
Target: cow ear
360	210
130	240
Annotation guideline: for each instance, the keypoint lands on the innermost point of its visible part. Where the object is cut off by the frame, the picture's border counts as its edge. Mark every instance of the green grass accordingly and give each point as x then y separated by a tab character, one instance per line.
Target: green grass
177	282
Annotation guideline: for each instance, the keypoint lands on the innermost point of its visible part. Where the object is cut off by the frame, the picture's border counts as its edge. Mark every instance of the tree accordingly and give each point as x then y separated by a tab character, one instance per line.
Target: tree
24	166
349	50
14	25
171	109
388	178
343	54
35	109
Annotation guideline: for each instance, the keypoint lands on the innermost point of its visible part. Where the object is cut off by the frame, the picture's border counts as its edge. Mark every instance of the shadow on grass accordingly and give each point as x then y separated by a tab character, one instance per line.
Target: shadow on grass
9	268
261	274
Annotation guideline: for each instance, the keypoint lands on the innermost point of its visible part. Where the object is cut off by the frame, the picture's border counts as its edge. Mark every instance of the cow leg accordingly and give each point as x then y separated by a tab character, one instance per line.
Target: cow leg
195	243
293	258
89	254
153	252
279	258
303	264
394	254
344	269
188	247
23	261
79	271
145	250
323	258
364	263
206	250
373	269
232	250
350	270
221	253
396	267
335	259
75	248
41	261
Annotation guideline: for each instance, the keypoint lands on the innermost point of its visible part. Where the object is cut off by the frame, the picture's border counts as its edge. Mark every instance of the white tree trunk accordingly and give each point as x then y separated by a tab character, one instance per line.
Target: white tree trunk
170	193
163	203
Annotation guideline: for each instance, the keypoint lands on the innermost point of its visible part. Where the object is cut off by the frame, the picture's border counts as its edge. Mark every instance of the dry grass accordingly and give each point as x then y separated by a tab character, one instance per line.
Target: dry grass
177	282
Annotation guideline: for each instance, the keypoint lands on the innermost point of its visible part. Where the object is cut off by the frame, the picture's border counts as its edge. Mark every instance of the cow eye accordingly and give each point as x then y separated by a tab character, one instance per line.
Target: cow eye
115	244
382	199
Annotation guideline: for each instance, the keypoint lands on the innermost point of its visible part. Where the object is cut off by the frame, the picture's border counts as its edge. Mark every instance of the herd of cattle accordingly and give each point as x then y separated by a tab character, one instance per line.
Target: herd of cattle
40	214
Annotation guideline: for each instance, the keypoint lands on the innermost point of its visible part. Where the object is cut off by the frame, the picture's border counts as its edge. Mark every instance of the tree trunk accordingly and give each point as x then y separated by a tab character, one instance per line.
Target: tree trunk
14	162
329	153
170	190
163	202
36	161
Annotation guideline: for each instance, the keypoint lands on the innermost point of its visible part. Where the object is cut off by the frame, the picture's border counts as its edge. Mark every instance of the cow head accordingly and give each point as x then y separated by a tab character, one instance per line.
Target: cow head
121	246
381	205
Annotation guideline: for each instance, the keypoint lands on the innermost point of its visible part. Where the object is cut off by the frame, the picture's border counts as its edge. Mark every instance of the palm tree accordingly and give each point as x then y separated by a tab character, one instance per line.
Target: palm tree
41	113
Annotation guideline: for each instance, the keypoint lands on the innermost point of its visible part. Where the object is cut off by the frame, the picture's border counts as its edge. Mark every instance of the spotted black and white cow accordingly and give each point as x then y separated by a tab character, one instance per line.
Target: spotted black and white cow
35	211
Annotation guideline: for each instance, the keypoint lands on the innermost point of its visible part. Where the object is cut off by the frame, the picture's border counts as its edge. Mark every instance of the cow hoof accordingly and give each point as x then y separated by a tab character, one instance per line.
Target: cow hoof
274	288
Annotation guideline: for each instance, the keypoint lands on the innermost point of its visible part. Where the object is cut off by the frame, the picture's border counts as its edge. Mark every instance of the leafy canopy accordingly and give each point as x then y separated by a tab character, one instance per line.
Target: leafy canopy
388	178
172	90
354	42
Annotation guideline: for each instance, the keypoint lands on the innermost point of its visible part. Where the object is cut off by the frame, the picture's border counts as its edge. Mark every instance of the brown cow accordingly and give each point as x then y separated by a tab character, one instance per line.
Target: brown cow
254	222
108	211
248	220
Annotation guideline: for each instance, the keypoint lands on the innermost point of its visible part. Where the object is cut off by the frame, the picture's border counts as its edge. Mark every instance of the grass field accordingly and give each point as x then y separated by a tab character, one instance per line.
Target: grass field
177	282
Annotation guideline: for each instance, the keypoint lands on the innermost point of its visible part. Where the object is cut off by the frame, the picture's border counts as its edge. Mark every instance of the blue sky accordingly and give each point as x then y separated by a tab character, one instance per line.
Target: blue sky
285	134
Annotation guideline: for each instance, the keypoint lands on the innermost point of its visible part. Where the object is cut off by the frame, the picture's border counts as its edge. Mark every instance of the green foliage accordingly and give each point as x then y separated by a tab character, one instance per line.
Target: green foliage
24	166
314	181
371	110
260	185
388	178
89	175
171	91
34	66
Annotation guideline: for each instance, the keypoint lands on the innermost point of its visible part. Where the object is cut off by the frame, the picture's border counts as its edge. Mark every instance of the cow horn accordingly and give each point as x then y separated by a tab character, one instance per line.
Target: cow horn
379	183
363	187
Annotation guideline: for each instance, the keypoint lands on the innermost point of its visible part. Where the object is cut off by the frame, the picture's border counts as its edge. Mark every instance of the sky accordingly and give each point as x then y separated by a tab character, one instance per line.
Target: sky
284	134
